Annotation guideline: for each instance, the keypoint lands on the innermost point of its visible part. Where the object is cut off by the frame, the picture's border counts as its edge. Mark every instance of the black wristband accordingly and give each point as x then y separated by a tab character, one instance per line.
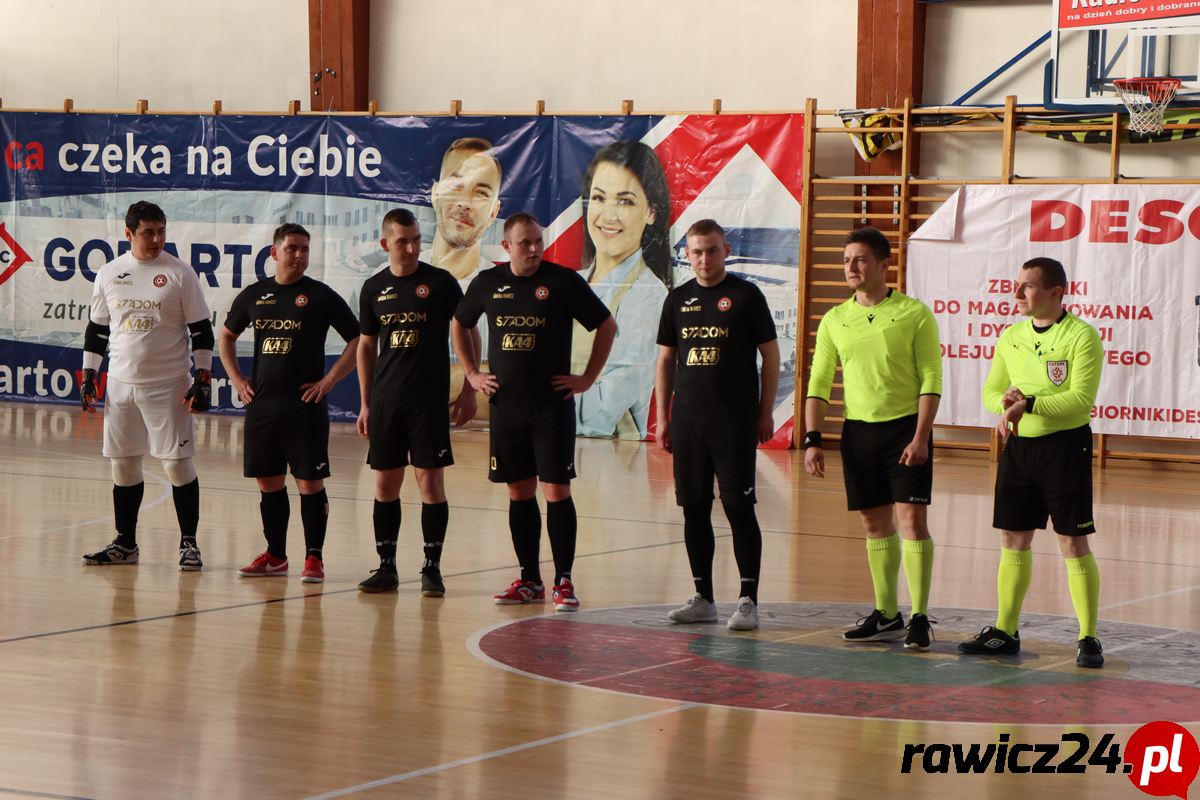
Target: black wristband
1029	403
811	439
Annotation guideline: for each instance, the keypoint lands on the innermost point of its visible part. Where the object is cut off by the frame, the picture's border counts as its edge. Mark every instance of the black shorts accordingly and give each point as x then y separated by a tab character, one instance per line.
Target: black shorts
704	450
871	464
403	433
1046	478
282	435
528	442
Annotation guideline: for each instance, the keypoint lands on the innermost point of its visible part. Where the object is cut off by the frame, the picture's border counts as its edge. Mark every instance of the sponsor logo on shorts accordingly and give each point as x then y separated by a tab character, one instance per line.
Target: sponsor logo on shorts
422	291
160	281
703	356
137	323
276	346
493	464
918	500
441	453
541	293
267	299
1056	371
321	465
184	442
301	300
749	491
401	339
724	304
518	342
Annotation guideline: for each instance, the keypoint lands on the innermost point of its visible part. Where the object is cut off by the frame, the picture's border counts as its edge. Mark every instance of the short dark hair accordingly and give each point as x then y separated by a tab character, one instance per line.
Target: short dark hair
398	216
470	144
873	238
1053	273
289	229
142	211
704	227
521	217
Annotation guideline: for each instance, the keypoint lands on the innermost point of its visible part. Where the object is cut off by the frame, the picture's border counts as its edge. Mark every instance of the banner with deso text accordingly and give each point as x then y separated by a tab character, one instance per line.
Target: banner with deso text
1132	257
226	182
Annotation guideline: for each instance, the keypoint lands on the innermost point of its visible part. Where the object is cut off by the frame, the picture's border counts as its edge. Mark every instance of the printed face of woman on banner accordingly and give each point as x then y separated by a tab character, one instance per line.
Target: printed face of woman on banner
618	213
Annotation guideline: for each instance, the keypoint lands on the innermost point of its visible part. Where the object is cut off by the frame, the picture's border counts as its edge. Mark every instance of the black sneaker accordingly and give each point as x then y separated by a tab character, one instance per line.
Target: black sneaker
189	557
992	642
431	582
383	579
112	554
875	627
1089	654
920	634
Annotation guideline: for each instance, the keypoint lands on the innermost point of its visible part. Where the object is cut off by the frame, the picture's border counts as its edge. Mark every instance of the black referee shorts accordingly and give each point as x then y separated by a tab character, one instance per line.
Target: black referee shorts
525	442
409	433
726	450
1046	478
288	434
871	464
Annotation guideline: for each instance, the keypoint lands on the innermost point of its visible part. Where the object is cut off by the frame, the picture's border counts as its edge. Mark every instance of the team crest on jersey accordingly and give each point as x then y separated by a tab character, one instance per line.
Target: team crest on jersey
541	293
724	304
422	291
160	281
1056	371
301	300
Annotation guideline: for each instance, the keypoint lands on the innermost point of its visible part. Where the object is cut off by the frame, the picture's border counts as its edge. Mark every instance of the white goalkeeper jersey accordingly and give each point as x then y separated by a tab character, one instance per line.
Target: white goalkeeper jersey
147	306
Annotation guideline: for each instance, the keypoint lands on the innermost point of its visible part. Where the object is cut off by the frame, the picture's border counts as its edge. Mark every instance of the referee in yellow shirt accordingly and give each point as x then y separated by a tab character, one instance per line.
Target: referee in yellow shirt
892	383
1043	384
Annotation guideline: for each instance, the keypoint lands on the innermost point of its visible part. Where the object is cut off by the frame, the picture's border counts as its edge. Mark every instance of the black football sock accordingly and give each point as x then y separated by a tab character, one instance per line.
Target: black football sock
525	524
276	511
187	510
562	524
700	541
435	517
386	517
747	546
126	502
314	514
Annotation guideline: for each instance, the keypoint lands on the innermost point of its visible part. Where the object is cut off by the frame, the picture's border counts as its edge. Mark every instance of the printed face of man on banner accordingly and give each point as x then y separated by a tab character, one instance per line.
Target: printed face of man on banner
466	200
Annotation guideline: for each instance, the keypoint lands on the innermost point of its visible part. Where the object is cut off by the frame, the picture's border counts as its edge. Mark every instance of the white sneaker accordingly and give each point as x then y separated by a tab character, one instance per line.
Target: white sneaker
746	616
696	609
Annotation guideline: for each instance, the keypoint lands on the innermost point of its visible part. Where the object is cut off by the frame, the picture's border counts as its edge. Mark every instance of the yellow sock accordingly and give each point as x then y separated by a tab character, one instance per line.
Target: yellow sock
883	556
1012	582
918	571
1083	578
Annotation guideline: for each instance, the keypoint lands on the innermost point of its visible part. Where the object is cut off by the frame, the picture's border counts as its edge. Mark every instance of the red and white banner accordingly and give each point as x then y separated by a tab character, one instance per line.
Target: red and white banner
1077	14
1132	255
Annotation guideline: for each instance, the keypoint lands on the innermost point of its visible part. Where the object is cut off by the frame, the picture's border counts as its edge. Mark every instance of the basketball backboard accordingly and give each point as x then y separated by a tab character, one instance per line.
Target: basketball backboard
1095	42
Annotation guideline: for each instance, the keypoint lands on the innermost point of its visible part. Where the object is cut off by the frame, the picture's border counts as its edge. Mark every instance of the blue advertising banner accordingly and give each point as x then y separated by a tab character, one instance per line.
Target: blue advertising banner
225	183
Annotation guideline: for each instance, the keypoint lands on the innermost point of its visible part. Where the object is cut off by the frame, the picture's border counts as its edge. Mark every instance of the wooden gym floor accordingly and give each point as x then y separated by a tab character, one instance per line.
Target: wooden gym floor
144	682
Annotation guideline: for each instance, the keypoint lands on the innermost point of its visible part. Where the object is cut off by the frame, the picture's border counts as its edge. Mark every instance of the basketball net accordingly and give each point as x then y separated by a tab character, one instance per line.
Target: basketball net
1147	100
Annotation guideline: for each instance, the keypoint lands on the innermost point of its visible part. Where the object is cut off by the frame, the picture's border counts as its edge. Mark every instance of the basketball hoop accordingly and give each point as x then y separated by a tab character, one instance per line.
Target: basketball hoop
1147	100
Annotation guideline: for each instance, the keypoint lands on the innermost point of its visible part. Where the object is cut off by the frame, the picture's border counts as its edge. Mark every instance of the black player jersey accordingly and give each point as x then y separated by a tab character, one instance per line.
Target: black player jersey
529	327
716	332
411	317
290	325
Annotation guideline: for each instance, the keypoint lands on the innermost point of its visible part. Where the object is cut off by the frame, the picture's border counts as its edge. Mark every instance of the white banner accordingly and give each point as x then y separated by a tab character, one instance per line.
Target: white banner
1132	255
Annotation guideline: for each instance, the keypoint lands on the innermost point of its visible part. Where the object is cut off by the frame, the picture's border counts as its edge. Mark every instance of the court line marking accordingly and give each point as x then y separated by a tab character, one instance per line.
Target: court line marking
504	751
1148	597
473	647
24	793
